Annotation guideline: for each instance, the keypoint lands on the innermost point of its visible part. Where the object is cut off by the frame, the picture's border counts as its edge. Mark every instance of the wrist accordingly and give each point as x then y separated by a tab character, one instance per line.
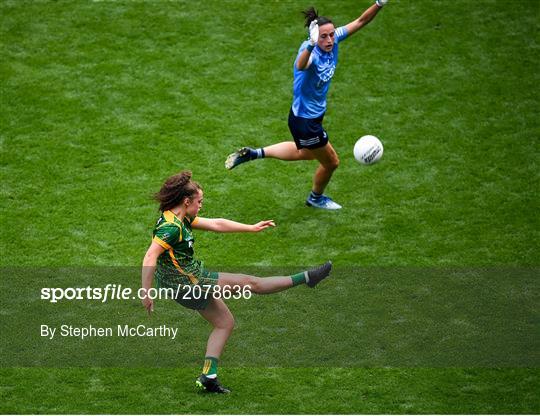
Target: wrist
310	47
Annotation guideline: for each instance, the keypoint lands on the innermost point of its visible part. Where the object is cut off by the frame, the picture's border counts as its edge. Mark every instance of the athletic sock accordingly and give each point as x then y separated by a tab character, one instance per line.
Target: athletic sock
257	153
210	367
299	278
315	195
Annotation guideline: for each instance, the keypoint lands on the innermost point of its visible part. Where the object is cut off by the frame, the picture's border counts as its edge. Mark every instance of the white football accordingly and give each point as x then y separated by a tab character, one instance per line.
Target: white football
368	150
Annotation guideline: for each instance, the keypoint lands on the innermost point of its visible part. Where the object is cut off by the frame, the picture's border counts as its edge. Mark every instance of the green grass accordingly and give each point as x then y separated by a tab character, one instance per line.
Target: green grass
100	101
294	391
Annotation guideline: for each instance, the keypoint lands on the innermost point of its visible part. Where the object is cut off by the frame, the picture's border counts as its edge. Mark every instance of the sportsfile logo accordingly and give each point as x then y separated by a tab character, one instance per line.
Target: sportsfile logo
109	292
118	292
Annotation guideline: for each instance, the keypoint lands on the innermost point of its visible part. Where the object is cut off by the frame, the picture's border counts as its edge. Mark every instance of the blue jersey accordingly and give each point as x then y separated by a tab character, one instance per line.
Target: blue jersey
311	85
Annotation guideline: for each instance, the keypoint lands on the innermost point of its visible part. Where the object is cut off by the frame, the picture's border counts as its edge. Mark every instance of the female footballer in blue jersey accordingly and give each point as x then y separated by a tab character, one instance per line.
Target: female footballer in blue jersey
314	68
170	258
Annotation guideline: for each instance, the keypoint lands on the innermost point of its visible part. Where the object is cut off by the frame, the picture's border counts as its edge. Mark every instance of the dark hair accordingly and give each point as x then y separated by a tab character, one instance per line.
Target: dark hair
175	189
311	14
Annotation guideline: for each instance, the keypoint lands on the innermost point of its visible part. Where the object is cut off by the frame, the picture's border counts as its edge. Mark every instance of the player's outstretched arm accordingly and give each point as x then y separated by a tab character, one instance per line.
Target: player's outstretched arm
222	225
365	18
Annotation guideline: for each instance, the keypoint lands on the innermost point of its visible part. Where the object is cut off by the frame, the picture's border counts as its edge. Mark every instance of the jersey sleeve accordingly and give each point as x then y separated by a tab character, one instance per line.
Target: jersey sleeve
194	221
167	235
341	33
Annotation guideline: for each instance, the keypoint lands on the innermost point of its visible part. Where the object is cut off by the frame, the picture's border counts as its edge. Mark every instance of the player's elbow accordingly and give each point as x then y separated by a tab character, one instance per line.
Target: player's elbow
220	225
301	65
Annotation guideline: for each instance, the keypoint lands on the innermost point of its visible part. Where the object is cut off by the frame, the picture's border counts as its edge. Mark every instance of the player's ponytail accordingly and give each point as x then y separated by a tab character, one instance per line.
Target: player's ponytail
311	14
175	189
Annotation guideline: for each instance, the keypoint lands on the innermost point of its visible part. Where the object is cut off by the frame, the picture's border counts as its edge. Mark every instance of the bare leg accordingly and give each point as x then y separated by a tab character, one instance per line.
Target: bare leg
283	151
222	321
287	151
260	285
329	162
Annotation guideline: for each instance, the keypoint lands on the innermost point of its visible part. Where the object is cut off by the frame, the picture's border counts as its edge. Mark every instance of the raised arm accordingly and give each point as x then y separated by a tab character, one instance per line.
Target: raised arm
304	60
365	18
221	225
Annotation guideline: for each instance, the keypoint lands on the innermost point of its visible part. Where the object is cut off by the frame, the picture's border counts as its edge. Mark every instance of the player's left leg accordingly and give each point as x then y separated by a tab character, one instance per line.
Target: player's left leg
222	321
329	162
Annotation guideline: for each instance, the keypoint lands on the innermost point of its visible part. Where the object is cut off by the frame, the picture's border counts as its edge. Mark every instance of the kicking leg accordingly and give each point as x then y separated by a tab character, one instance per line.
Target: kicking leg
259	285
266	285
282	151
287	151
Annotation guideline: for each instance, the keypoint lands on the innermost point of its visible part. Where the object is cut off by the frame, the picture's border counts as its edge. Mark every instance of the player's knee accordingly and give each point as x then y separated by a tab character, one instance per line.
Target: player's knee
332	164
229	323
226	323
254	284
336	162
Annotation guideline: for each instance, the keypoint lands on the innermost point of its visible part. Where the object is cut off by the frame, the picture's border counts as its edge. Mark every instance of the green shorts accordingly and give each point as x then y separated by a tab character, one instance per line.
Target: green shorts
192	296
198	296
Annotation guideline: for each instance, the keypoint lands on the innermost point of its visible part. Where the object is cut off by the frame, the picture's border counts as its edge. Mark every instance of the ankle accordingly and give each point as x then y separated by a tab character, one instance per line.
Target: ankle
315	195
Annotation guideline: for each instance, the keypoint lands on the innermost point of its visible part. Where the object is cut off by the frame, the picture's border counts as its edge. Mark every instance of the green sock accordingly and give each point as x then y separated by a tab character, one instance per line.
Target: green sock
210	366
298	278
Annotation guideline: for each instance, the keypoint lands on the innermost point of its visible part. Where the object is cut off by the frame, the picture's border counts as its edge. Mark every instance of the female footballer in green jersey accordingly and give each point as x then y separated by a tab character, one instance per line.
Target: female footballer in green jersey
170	258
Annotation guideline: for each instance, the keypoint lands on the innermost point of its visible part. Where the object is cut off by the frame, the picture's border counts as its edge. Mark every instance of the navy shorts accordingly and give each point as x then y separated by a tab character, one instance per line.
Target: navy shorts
308	133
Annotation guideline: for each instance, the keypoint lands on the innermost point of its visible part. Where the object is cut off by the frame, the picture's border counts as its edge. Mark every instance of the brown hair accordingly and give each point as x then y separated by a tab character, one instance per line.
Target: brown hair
311	14
175	189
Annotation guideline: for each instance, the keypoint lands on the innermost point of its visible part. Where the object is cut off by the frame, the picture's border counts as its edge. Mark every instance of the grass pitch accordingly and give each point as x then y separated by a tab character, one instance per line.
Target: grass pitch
100	101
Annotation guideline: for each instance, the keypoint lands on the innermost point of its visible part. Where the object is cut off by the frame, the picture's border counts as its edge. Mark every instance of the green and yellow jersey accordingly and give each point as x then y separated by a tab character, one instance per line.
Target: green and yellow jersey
176	265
